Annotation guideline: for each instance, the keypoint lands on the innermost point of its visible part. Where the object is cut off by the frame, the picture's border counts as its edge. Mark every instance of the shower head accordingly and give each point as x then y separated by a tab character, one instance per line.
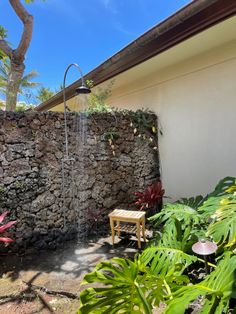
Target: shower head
83	90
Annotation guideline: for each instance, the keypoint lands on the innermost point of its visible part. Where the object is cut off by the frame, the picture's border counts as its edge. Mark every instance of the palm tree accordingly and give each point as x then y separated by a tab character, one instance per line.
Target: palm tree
44	93
26	82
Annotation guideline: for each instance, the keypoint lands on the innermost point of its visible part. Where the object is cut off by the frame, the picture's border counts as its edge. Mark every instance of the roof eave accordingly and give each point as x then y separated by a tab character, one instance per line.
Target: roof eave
187	22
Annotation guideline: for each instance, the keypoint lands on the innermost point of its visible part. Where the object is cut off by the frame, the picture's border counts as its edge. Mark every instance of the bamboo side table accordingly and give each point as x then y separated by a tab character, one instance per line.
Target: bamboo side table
136	217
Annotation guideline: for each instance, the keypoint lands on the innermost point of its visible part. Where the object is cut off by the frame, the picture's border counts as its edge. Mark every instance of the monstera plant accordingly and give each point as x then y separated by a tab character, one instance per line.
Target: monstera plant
140	285
223	226
170	255
126	288
160	275
216	290
211	216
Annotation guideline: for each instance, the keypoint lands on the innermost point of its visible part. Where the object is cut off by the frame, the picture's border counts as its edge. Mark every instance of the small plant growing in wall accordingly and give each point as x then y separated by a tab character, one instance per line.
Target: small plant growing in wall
19	184
2	190
34	133
143	126
111	135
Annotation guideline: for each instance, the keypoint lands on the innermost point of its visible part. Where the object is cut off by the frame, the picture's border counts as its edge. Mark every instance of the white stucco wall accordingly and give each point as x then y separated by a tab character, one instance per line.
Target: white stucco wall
195	101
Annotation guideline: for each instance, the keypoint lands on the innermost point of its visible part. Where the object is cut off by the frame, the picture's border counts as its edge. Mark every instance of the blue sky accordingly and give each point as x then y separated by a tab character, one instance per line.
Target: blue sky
86	32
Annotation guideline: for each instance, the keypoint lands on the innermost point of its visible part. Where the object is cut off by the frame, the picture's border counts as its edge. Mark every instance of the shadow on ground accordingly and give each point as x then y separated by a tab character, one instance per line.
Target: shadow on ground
74	258
52	271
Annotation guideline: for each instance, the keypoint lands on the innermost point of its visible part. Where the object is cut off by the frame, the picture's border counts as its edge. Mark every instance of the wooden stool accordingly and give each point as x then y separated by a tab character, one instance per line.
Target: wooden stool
136	217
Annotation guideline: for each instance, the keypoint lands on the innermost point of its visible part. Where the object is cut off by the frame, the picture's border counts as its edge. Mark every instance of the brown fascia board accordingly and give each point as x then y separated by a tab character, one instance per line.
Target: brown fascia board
187	22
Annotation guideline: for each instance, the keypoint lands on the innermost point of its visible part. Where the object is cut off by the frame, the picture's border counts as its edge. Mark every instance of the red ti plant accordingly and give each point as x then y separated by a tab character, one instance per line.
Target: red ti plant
3	229
151	197
95	219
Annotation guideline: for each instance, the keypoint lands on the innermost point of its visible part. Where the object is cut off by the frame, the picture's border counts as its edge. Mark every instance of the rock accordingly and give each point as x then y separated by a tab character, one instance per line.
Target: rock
109	202
18	167
42	201
57	124
33	176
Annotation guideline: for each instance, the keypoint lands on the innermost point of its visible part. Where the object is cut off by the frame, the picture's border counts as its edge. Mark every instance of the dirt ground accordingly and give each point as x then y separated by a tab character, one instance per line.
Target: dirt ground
50	281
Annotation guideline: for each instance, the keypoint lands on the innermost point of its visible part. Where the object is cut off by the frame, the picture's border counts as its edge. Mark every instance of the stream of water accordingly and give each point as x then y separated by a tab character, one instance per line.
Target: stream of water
73	167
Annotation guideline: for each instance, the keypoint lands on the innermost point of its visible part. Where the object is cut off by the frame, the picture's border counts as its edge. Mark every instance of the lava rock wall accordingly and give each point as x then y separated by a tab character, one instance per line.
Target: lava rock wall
54	198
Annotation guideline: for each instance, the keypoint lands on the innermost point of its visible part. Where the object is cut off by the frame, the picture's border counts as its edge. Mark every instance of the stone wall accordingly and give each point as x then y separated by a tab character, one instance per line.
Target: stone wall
53	200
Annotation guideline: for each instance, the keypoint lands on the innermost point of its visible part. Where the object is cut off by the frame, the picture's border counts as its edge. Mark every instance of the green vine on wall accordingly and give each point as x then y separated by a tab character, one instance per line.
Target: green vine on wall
140	120
2	190
111	135
143	126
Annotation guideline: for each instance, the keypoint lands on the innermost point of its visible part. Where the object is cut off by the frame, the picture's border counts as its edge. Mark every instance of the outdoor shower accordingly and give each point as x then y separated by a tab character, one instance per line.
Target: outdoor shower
83	89
67	160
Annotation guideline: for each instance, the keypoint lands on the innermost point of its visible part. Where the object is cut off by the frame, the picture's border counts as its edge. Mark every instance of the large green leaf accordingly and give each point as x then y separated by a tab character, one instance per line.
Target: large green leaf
223	227
209	207
223	186
217	289
195	211
123	287
166	261
193	202
185	214
169	256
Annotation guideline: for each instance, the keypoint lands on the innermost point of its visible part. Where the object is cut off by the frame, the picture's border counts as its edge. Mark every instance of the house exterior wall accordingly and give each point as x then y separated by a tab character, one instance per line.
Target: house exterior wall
195	101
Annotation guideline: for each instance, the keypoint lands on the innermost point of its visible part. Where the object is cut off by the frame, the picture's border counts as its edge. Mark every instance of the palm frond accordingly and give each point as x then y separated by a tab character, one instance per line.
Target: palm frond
26	80
3	83
4	70
30	75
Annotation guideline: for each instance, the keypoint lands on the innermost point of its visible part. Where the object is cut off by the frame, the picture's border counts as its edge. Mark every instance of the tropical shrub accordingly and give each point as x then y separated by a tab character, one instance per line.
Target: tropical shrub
210	216
126	288
161	273
151	197
187	215
223	225
224	186
217	289
141	123
170	255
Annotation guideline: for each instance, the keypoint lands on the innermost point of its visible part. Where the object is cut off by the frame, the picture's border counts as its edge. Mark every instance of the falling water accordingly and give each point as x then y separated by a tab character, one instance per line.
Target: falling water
73	167
81	127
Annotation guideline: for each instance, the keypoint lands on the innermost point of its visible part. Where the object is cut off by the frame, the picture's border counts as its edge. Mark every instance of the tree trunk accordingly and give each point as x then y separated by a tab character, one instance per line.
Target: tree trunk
17	56
16	73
